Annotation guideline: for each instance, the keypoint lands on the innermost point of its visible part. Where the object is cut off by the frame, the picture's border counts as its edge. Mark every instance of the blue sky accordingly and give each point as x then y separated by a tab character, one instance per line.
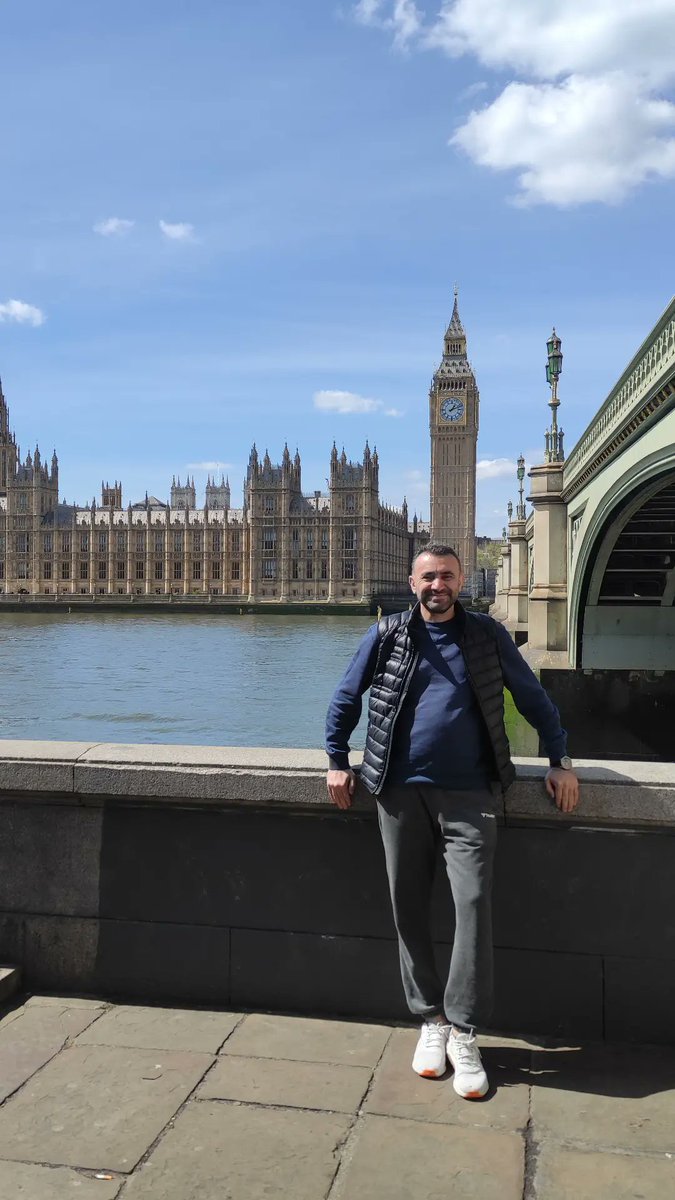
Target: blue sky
213	212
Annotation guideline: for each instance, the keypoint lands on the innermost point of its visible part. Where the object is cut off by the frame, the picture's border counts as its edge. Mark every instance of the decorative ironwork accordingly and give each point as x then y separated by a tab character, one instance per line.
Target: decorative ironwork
554	436
633	398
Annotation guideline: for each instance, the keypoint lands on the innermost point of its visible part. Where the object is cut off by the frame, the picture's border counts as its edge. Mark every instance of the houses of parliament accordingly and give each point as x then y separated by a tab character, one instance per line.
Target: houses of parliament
282	545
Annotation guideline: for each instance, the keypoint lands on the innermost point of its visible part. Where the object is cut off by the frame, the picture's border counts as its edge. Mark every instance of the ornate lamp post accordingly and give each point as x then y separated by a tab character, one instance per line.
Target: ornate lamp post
520	507
554	436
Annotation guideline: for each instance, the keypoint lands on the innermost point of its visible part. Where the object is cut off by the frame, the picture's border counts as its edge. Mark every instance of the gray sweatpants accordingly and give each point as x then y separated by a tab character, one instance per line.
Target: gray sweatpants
413	820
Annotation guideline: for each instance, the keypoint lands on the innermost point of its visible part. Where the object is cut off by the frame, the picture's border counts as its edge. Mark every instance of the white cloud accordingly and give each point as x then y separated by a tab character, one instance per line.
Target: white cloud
182	231
404	19
495	468
350	402
113	227
584	140
587	122
21	313
550	41
209	466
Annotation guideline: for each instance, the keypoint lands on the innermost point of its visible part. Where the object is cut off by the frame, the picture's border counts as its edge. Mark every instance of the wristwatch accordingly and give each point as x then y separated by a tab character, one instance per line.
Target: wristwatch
565	762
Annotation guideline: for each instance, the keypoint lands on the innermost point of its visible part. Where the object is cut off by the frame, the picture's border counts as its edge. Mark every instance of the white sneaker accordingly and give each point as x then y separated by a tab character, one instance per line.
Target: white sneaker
470	1080
429	1059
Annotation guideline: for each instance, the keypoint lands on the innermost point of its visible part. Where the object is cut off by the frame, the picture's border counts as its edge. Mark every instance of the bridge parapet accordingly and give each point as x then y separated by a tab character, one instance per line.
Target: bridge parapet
639	394
224	876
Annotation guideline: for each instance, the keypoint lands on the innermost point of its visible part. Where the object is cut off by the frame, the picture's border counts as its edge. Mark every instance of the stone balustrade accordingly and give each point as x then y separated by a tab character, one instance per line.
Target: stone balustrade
224	875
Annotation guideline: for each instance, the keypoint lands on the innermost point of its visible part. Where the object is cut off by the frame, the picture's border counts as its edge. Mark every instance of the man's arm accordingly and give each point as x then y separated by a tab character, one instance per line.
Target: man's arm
343	715
534	703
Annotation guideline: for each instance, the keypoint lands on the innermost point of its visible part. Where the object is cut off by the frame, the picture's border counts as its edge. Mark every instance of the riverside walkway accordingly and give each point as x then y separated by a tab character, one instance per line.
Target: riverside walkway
119	1102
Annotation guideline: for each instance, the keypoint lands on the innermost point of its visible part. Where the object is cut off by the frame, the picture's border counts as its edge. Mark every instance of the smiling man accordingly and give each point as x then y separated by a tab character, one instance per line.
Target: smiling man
436	742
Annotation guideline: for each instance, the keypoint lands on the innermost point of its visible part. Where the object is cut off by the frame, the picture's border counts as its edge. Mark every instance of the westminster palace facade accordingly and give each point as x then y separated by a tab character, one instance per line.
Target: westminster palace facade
338	546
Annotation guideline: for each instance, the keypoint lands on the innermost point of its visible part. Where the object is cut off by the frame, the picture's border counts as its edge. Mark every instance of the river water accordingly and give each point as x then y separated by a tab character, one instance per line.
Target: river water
212	680
217	680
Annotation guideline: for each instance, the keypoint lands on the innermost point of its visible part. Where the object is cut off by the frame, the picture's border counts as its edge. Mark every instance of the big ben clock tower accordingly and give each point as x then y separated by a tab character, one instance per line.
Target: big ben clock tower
453	425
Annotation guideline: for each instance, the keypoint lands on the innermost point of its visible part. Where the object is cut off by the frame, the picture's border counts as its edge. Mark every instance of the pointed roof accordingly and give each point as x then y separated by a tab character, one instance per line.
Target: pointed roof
455	328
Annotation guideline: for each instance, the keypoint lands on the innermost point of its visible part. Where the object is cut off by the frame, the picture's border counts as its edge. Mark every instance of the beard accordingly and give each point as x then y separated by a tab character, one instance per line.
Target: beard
438	601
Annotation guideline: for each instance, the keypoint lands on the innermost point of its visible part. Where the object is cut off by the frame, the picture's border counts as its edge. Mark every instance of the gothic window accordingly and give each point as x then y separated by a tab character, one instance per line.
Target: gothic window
84	570
103	570
310	569
22	543
350	503
22	570
177	547
324	569
47	543
310	541
103	543
235	570
121	542
236	541
159	546
84	543
46	570
216	545
120	571
65	570
159	570
140	546
269	541
196	545
348	538
2	570
140	569
324	539
269	568
349	569
22	505
295	541
178	570
196	570
215	570
295	574
269	504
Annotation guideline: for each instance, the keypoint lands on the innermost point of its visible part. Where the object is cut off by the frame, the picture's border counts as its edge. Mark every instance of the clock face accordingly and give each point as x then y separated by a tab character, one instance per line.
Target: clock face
452	409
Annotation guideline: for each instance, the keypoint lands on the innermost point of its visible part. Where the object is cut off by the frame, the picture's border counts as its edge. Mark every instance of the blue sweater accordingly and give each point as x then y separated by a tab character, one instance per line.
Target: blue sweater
440	736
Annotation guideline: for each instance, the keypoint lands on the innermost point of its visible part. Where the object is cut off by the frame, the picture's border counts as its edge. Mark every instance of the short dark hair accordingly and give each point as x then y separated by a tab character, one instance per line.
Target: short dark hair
439	550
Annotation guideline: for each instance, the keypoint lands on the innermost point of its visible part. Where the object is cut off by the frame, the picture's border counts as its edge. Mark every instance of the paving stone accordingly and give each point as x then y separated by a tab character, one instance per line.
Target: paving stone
98	1106
29	1037
394	1160
398	1092
240	1152
25	1181
264	1036
161	1028
564	1174
329	1086
618	1097
66	1002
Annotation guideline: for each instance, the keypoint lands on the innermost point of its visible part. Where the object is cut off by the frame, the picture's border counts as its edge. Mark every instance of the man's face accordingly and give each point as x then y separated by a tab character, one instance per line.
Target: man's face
437	583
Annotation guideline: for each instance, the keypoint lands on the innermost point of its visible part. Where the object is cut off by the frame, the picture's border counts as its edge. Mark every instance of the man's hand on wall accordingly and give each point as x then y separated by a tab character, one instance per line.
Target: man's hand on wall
563	787
341	785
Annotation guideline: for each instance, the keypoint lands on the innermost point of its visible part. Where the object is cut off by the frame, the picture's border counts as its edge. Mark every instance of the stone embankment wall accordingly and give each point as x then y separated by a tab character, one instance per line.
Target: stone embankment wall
225	877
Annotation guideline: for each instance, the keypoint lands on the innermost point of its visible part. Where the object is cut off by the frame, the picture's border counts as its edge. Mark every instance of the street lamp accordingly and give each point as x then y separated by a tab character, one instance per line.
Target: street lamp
520	508
554	436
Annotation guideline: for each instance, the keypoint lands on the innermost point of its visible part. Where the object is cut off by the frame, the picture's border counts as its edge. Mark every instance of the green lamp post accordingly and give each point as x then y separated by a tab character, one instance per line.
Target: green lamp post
554	436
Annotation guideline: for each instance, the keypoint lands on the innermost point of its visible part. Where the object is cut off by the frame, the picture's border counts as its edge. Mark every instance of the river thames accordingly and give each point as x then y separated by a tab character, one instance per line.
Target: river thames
217	680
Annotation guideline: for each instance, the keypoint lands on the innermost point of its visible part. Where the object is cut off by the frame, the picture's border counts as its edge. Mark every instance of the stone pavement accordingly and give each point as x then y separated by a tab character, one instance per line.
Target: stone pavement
113	1101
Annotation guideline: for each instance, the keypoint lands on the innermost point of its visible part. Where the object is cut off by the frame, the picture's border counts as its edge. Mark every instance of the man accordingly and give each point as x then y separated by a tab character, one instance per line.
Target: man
435	742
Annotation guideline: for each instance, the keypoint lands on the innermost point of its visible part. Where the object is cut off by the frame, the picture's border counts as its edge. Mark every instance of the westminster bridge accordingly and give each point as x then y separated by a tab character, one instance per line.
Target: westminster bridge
587	579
